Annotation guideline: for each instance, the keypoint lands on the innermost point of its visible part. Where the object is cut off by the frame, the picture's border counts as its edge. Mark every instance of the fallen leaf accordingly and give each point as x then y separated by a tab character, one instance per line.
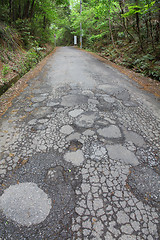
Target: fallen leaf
11	154
14	111
73	148
24	161
23	117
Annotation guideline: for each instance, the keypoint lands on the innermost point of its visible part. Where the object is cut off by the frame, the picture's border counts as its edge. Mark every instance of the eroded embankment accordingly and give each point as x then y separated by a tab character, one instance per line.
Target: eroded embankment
15	64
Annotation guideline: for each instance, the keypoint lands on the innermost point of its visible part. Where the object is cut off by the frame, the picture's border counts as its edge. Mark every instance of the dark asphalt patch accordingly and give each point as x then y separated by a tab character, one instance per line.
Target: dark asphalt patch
59	184
144	183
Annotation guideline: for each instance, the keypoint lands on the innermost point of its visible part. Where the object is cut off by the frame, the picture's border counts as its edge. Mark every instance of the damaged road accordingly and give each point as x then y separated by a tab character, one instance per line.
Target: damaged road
79	155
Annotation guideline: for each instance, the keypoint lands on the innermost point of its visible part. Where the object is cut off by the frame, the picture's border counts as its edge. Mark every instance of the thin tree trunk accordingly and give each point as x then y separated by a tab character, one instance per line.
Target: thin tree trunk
110	26
151	29
122	12
26	9
44	21
32	9
10	10
126	30
147	29
138	28
19	10
158	28
121	3
13	11
110	29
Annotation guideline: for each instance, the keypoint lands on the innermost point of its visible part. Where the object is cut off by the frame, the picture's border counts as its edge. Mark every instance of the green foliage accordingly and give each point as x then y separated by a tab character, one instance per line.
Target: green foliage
6	69
154	72
142	9
31	59
126	32
146	65
9	36
128	62
121	35
2	59
24	28
4	80
34	19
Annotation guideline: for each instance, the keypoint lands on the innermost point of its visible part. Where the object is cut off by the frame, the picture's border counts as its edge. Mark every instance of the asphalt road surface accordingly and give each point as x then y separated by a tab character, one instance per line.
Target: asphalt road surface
79	156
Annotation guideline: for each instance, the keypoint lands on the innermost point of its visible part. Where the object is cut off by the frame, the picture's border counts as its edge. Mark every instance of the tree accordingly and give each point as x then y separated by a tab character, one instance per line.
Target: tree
32	17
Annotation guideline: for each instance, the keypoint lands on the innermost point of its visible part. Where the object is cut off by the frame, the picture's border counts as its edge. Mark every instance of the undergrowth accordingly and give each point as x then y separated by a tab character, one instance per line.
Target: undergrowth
129	55
19	52
6	69
33	56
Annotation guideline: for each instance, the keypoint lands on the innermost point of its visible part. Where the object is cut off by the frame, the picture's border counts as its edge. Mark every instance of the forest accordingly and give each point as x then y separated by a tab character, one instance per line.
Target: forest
126	32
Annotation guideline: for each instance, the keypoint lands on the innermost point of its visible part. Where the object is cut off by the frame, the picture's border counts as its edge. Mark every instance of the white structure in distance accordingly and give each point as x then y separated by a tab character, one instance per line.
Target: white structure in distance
75	40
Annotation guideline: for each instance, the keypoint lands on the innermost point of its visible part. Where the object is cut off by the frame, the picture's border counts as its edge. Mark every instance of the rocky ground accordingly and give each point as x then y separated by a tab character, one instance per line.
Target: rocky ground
79	155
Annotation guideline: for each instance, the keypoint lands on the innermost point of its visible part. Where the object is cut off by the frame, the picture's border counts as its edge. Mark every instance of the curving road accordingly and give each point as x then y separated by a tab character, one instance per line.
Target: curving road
79	155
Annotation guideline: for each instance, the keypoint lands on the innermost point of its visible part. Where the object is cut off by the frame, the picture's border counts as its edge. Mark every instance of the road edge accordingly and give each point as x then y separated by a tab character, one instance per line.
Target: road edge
145	83
21	84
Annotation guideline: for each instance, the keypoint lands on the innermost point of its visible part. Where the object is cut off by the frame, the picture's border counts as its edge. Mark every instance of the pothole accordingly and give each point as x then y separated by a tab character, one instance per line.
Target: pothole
39	126
56	174
75	145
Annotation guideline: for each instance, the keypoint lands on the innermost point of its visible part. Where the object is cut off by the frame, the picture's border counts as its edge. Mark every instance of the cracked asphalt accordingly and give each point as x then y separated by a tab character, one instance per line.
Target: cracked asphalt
79	155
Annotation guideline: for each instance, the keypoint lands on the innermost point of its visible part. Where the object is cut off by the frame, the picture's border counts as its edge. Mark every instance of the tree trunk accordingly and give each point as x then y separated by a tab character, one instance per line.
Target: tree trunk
32	9
110	26
138	27
26	9
19	10
158	28
44	21
122	12
147	30
151	28
121	4
110	29
10	10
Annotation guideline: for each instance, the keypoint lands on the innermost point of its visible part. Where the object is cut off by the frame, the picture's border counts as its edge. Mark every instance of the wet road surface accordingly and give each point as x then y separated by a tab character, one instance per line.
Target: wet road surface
79	155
